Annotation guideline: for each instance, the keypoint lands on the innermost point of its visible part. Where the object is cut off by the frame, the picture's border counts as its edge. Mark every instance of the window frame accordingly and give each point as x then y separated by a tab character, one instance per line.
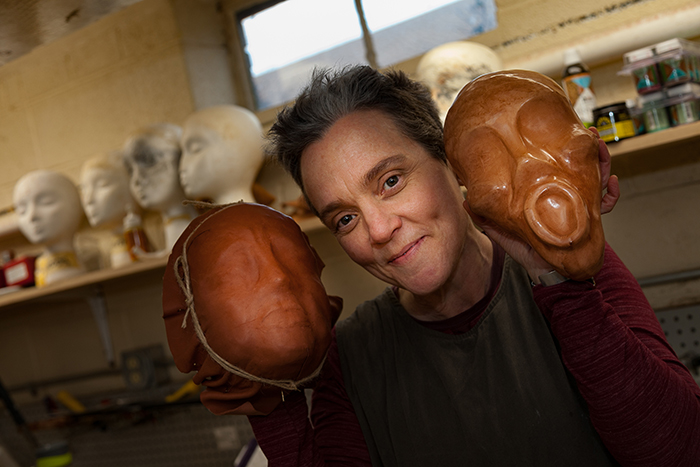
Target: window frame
235	11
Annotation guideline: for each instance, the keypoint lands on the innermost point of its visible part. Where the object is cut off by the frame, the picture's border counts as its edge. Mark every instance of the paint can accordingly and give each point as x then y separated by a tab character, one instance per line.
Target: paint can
613	122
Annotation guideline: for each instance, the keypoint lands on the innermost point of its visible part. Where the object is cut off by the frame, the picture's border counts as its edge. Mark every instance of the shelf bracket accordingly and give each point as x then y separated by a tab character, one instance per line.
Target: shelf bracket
98	306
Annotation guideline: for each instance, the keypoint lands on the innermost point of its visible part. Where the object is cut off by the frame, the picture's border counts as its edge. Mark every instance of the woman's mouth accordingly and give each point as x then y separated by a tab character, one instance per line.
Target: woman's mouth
406	252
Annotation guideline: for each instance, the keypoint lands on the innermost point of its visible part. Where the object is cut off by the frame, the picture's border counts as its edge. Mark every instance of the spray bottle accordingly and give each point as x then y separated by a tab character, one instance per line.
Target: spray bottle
576	81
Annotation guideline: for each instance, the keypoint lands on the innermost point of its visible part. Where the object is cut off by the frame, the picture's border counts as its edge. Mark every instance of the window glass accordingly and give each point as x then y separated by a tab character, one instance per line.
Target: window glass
285	41
401	33
297	29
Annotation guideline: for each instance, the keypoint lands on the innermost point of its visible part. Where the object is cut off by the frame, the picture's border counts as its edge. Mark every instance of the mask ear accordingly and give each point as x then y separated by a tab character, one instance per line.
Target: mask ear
336	308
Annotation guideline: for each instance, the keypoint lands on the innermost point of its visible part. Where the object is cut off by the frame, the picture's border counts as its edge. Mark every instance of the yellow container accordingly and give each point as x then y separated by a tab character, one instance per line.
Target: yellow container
613	122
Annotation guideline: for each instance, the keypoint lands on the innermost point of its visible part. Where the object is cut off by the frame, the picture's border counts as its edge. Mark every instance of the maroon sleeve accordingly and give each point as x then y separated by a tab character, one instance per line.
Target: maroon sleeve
288	439
285	435
642	400
338	434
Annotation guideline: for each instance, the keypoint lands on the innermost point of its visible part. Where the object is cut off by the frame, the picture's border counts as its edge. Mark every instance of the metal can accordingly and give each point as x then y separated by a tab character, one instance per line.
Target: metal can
613	122
685	111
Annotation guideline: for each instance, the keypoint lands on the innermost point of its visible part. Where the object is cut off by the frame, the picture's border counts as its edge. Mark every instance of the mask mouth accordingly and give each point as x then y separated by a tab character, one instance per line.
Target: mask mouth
140	193
35	228
557	214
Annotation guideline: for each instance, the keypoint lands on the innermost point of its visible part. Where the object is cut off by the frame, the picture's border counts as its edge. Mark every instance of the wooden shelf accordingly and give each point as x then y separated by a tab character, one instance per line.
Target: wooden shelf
656	151
81	281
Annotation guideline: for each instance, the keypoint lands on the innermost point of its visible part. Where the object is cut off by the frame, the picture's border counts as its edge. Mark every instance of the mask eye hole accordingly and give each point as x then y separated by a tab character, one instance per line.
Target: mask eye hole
484	158
547	122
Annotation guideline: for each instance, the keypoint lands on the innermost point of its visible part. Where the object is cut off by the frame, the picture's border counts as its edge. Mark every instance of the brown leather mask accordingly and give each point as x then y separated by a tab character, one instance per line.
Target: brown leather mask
255	286
530	166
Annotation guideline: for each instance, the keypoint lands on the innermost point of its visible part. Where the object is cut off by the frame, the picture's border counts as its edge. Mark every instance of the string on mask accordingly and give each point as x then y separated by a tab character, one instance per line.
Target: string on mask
182	275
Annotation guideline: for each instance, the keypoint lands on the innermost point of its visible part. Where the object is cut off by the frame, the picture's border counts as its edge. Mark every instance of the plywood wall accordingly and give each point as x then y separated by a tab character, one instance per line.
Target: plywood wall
81	95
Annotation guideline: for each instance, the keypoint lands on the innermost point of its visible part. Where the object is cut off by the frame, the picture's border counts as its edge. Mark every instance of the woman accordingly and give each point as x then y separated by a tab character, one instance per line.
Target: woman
460	360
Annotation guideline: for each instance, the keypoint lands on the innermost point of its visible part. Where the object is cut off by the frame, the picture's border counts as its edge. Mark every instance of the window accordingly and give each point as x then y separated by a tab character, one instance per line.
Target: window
285	40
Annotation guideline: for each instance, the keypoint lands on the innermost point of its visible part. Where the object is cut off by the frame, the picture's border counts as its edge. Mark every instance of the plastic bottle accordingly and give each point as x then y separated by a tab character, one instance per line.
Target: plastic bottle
576	81
134	235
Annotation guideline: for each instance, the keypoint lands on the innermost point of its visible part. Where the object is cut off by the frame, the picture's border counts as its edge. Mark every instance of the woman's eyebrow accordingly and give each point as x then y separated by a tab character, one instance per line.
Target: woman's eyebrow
367	180
381	166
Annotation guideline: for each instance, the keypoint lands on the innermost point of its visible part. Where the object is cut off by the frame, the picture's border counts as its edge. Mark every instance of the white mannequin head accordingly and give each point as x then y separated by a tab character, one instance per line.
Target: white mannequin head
48	209
104	190
152	156
448	67
222	152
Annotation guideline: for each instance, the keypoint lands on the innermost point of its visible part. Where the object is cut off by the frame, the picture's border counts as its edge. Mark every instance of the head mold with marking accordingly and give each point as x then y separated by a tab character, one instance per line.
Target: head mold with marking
244	307
530	166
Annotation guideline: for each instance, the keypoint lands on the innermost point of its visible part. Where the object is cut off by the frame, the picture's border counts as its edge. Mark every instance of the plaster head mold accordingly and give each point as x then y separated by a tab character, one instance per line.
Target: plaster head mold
152	157
530	166
48	208
222	153
244	307
49	213
448	67
104	190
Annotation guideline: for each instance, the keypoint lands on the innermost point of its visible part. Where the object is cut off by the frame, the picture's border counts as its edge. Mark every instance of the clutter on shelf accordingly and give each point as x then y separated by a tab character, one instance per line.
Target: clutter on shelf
667	79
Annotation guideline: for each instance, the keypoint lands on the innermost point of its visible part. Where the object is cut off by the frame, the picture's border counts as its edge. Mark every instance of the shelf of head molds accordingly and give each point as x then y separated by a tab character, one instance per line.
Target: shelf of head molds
81	285
84	285
656	151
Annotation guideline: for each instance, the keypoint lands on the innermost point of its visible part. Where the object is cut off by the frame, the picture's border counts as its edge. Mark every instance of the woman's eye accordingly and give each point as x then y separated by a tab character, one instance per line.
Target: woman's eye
345	220
391	181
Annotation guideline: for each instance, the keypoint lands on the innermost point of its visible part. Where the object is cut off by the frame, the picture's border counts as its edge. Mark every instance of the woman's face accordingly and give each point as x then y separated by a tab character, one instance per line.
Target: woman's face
394	209
154	178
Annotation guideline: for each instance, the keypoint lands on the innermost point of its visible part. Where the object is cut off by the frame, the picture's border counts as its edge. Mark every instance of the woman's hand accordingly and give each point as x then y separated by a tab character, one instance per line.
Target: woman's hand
609	184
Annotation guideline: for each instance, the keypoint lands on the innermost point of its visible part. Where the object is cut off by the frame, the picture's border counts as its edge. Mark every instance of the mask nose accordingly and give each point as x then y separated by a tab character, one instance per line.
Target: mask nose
138	177
88	195
31	212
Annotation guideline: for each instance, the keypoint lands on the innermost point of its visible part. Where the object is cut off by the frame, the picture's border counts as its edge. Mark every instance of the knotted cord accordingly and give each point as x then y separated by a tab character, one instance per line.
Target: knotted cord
182	275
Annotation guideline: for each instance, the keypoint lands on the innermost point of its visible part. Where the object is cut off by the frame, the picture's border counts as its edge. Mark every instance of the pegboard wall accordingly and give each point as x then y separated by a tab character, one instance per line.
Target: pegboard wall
682	329
189	435
178	436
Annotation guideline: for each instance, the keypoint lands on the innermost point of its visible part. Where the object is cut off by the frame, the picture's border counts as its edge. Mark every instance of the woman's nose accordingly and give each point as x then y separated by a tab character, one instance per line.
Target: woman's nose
381	225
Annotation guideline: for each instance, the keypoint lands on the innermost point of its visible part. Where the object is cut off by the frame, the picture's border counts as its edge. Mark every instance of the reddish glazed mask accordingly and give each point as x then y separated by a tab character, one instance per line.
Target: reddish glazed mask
530	166
257	295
